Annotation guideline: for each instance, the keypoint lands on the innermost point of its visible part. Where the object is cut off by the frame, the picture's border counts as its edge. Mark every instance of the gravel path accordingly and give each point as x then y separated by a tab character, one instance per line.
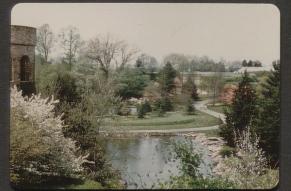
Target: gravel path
200	105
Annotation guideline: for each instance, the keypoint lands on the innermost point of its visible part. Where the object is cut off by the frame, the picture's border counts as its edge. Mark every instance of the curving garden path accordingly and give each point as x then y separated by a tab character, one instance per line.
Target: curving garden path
199	105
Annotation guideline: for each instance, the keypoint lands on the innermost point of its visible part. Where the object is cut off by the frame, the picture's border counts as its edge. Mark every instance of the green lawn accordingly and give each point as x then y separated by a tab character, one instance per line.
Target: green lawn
88	184
64	183
217	108
172	120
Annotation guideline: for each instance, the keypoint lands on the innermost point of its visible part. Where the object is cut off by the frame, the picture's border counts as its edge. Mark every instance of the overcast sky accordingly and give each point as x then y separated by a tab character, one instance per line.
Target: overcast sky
229	31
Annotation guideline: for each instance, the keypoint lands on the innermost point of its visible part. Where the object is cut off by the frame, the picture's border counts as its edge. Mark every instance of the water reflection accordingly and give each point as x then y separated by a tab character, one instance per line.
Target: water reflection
143	162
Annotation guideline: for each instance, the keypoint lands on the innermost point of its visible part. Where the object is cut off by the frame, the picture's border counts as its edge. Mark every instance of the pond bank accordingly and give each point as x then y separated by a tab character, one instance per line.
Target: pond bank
213	144
160	132
145	161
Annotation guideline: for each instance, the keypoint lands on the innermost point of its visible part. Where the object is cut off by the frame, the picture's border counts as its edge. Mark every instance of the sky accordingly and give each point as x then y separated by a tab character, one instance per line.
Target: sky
220	31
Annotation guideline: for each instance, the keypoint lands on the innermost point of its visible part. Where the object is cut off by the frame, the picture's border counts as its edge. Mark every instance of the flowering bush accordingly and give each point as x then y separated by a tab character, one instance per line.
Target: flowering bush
249	168
38	146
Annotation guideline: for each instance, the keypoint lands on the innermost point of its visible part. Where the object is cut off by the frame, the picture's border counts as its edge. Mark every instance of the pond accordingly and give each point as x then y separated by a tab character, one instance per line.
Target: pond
144	161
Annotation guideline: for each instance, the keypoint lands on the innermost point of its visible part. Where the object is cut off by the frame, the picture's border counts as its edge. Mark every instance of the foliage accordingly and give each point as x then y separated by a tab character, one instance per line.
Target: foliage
93	185
190	109
267	125
38	146
251	63
88	184
246	170
57	81
190	160
184	63
191	178
143	108
241	113
190	88
131	83
205	64
188	182
141	111
234	66
227	94
152	91
227	151
163	105
166	78
213	84
84	120
249	168
179	61
149	63
147	106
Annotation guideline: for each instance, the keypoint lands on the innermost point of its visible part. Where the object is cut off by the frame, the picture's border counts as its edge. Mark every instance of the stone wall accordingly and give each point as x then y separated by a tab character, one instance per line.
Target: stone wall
23	35
23	42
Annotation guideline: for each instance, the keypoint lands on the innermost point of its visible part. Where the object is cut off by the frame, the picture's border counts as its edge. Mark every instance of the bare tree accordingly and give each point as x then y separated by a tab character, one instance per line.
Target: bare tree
126	55
70	41
214	83
107	52
45	41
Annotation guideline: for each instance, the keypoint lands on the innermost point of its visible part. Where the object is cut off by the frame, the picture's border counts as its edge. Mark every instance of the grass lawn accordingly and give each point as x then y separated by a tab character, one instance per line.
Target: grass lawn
172	120
64	183
217	108
88	184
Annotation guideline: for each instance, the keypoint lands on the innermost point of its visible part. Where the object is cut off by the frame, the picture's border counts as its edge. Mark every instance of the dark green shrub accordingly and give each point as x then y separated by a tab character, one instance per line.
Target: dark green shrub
147	106
190	160
141	111
163	105
166	104
190	109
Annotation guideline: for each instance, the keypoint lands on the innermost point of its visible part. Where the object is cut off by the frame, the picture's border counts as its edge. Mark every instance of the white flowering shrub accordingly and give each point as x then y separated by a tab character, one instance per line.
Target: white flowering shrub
249	168
37	143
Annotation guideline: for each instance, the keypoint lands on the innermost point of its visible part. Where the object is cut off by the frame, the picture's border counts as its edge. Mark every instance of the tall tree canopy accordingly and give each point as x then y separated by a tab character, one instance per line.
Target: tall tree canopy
45	41
267	125
70	41
241	113
166	78
190	88
109	52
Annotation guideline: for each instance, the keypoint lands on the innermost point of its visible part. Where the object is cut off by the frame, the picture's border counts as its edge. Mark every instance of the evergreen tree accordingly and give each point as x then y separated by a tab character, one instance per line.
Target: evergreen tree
147	106
267	125
191	89
244	63
250	63
163	105
190	109
166	78
141	111
240	114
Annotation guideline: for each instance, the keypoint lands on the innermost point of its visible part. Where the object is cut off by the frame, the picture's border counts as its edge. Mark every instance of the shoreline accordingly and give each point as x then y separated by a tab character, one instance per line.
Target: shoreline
212	143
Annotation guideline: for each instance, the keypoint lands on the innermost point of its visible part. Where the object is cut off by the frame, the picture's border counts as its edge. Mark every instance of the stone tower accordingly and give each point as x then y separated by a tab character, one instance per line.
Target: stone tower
22	52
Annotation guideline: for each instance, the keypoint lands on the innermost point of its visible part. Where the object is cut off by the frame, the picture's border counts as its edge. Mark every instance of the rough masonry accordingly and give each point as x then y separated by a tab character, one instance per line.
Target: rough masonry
22	58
